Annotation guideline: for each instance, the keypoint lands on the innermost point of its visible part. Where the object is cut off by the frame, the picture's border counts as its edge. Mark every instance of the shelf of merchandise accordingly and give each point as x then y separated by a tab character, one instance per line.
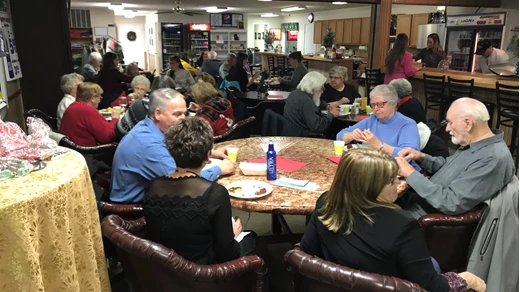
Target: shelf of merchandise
81	41
226	43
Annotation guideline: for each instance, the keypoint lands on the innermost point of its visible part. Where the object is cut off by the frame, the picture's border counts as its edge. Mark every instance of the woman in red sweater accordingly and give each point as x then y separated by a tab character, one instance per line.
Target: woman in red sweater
399	62
212	107
82	122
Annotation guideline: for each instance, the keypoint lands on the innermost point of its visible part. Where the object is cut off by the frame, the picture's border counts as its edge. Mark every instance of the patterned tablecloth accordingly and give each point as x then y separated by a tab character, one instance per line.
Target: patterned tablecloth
288	201
50	236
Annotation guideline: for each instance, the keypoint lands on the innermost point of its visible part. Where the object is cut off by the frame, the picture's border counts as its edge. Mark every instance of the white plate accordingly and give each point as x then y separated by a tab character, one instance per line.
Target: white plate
213	162
248	189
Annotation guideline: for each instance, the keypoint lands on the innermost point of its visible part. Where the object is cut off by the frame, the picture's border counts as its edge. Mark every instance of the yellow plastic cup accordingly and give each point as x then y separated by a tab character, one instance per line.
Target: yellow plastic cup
232	154
364	101
339	147
368	110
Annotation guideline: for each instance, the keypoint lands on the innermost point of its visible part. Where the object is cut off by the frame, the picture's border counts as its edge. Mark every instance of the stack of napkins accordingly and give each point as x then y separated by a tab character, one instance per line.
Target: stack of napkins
304	185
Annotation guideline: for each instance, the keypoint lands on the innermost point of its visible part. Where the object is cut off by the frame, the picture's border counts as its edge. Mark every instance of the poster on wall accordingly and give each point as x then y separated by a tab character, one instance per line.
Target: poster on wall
277	33
225	19
12	67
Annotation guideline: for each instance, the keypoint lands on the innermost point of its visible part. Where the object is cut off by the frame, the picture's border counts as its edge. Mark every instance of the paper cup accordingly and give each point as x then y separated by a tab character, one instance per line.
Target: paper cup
339	147
369	110
232	154
355	108
117	109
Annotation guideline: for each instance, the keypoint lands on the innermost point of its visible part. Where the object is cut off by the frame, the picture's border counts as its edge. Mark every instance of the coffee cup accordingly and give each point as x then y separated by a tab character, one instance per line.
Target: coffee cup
344	109
117	109
339	147
232	153
355	108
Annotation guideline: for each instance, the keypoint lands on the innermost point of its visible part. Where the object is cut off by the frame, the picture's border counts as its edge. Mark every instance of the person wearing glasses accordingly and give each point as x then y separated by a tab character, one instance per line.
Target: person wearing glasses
357	224
338	91
386	130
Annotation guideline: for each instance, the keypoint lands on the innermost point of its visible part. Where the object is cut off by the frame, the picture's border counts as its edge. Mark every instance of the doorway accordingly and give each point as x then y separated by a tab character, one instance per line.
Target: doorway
133	50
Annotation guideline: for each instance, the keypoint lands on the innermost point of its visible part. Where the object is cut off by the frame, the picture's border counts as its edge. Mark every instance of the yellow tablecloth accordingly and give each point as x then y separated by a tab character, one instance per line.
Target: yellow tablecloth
50	236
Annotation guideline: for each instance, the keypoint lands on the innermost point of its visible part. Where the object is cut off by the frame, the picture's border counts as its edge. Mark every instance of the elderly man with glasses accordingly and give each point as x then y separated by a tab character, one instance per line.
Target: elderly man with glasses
338	91
386	129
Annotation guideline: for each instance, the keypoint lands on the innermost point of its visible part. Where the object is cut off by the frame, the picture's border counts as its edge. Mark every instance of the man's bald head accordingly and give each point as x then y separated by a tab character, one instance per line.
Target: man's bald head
470	108
467	121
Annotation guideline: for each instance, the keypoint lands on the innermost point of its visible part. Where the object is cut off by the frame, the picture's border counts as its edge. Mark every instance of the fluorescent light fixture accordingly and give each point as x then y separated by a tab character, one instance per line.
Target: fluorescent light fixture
215	9
269	15
265	0
116	6
339	3
130	14
441	7
296	8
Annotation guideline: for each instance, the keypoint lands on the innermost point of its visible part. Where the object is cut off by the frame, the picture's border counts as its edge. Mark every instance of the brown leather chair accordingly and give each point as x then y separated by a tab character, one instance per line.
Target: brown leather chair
125	211
239	130
50	121
150	266
448	238
315	274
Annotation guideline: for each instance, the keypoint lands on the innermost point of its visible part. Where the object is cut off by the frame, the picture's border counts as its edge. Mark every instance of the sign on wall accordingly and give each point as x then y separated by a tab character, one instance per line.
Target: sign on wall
476	20
225	19
12	67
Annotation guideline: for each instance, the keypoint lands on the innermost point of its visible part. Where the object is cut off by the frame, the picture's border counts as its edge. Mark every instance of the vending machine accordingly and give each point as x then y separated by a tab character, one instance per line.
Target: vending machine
171	39
198	37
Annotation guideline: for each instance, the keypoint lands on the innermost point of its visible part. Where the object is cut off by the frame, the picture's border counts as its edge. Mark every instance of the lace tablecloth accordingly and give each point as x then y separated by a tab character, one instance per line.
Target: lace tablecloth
50	236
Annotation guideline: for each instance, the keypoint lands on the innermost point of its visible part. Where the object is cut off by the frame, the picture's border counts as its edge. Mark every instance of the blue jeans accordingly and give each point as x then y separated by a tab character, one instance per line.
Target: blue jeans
436	265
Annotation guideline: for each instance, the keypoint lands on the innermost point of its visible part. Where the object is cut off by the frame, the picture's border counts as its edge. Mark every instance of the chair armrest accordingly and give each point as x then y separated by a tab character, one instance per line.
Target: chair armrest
66	142
122	210
135	226
431	220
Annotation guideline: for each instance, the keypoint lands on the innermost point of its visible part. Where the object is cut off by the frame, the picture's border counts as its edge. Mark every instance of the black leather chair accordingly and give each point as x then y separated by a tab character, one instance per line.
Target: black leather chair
239	130
50	121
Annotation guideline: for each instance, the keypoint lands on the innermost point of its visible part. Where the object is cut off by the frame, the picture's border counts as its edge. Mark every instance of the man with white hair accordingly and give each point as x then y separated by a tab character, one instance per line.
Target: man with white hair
90	70
69	87
301	107
478	169
211	65
226	66
141	156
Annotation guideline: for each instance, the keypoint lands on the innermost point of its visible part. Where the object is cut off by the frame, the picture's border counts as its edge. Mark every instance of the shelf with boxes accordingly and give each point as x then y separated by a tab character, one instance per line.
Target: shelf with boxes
79	38
225	41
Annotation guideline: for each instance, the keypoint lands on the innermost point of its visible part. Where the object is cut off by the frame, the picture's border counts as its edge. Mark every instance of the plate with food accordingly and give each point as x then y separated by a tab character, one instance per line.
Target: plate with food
212	162
249	189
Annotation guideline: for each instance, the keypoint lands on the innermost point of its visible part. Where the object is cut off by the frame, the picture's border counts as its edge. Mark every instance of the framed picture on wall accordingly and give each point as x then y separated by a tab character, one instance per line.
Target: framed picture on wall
240	25
225	19
277	33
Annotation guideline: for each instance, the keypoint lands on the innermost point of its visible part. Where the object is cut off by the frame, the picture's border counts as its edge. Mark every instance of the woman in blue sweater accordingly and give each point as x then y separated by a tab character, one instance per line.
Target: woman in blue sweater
387	129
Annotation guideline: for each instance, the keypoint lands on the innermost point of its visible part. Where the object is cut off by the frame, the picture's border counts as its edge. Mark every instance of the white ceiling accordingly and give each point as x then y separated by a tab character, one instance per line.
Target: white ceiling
242	6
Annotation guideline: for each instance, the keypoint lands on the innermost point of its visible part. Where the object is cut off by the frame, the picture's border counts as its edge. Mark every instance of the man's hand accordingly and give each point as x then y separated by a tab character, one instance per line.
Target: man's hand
194	107
411	154
339	102
405	169
221	153
227	167
370	139
334	111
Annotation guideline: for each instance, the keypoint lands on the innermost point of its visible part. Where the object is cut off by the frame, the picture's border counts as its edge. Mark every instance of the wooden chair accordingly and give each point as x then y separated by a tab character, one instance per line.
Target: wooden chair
239	130
273	69
434	95
372	79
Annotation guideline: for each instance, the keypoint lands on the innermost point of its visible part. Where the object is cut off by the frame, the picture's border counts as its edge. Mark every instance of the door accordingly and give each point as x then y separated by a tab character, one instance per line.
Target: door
356	31
317	32
404	24
132	50
347	32
339	31
417	20
365	31
308	39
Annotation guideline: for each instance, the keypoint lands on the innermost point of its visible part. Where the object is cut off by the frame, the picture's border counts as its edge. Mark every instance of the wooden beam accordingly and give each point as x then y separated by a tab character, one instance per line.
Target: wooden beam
463	3
382	37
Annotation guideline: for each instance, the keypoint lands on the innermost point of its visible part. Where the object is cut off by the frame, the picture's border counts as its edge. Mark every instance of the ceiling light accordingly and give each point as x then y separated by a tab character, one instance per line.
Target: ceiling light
296	8
269	15
441	7
215	9
116	6
130	14
339	3
265	0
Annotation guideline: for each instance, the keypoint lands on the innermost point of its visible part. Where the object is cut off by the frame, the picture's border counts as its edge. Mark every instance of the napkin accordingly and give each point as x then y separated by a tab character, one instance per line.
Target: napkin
334	159
362	117
242	234
296	184
283	163
293	182
274	96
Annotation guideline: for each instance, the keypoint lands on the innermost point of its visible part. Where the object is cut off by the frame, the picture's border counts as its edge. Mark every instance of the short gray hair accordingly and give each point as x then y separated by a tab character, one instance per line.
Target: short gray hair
231	56
163	81
140	79
402	86
387	92
160	97
212	55
341	71
68	81
95	56
312	82
130	66
469	107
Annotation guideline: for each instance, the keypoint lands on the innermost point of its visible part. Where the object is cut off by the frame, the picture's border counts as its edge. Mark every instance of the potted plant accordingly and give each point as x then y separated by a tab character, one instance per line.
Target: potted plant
328	38
268	39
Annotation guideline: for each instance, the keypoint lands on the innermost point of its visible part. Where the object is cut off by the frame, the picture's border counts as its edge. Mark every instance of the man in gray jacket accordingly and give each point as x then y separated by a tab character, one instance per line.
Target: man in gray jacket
476	172
211	65
295	60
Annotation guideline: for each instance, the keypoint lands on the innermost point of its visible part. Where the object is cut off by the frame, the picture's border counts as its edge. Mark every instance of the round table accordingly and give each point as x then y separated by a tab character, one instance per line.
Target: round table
278	95
50	236
287	201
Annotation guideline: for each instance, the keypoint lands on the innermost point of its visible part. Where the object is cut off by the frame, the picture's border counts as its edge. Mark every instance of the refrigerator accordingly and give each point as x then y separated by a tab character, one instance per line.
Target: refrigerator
463	34
171	41
198	37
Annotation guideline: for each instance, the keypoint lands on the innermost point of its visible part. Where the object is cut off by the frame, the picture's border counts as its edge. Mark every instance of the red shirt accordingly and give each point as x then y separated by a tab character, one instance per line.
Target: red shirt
404	69
85	126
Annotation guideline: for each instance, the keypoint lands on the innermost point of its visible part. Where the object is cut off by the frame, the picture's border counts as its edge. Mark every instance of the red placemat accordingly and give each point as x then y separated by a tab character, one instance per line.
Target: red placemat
362	117
274	96
334	159
283	163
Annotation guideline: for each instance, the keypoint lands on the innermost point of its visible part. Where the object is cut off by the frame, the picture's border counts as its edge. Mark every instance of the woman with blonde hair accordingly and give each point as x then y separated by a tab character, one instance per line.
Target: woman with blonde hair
433	53
356	224
211	106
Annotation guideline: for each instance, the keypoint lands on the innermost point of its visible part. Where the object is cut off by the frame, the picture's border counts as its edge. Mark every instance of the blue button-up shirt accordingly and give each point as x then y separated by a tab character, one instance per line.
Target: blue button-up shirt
140	157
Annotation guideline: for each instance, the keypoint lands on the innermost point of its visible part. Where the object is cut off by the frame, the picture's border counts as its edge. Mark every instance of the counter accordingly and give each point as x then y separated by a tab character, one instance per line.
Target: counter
481	80
316	63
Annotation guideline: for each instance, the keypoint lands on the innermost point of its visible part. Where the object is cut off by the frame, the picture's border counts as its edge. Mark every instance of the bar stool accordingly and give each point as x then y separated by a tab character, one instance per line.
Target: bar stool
282	65
272	68
372	79
434	95
507	110
458	88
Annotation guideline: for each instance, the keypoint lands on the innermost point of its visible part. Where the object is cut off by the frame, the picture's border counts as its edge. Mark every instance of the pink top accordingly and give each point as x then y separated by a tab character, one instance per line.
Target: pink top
403	70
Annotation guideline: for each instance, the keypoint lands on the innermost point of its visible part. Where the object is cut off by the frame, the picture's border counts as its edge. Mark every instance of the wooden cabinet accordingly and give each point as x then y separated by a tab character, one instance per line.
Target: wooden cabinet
404	23
324	28
417	19
356	31
340	26
365	31
317	32
347	32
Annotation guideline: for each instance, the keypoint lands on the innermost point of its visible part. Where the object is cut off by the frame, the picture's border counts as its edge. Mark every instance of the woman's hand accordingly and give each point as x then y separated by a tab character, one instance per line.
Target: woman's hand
357	135
116	115
194	107
237	227
370	139
474	282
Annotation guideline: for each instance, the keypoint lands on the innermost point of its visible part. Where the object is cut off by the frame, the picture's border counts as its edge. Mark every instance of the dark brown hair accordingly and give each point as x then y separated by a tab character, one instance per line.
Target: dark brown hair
396	54
108	60
178	60
296	56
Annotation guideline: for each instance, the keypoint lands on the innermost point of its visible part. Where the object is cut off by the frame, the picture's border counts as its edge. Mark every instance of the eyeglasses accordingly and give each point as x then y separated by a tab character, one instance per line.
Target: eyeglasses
335	77
99	96
378	104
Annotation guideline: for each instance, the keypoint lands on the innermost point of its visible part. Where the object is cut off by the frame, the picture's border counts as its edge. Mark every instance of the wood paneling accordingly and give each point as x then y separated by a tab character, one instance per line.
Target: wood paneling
347	31
340	26
356	31
464	3
383	31
332	25
365	31
324	28
404	23
317	32
417	19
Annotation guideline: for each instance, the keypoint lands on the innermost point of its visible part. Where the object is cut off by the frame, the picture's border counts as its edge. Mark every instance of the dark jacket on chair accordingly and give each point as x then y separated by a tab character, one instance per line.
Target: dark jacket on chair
304	114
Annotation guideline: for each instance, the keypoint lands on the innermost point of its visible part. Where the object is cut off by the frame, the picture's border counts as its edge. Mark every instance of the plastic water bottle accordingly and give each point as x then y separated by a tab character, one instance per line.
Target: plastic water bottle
271	162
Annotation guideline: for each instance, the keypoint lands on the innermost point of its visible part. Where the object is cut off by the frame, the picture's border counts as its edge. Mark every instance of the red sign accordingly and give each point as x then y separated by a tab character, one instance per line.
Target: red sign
200	26
277	33
292	35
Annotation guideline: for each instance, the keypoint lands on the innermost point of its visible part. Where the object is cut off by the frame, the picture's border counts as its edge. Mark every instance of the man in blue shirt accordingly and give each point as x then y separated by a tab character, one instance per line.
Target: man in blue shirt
142	154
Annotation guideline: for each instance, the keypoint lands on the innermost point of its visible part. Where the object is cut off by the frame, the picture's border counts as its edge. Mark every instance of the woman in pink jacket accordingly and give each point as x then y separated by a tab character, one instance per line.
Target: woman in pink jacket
399	62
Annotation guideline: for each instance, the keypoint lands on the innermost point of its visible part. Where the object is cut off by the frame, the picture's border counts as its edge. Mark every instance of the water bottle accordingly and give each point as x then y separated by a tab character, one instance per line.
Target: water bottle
271	162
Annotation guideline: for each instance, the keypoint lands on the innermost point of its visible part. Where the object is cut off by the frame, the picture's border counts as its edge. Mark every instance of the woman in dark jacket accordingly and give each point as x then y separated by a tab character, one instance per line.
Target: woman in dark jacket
433	54
407	105
111	80
239	74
